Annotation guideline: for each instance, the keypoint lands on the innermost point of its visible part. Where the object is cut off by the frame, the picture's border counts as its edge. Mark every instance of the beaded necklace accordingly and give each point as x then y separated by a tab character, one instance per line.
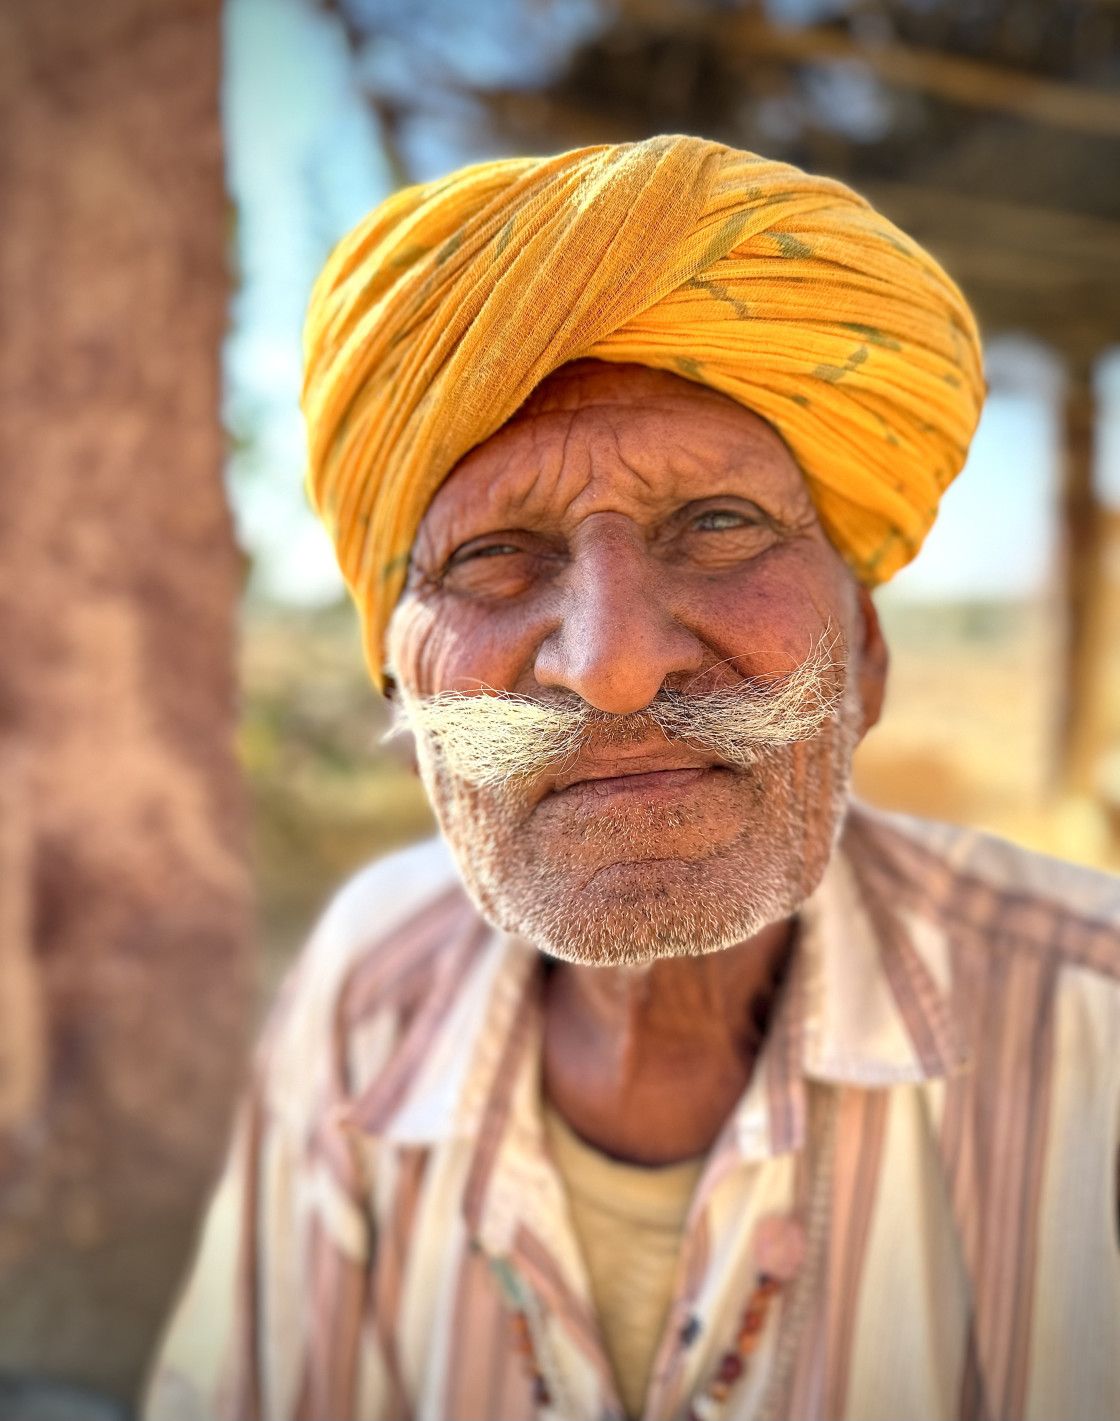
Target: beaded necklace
782	1252
779	1251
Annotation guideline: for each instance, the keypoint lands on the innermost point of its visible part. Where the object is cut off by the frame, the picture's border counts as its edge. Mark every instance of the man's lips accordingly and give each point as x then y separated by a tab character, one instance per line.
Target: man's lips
610	786
636	774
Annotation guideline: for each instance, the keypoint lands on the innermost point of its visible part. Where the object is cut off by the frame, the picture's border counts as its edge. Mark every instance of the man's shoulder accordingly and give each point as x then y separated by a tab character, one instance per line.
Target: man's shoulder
380	899
375	948
976	880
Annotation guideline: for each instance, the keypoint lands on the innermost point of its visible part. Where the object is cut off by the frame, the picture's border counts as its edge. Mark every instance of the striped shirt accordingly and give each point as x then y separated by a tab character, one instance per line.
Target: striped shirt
936	1110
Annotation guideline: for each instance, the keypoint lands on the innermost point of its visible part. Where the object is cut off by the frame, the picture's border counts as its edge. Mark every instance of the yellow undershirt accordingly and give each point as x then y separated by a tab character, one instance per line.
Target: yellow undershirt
629	1220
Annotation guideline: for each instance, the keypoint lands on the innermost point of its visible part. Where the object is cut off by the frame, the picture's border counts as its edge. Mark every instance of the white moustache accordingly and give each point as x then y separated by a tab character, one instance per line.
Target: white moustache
493	738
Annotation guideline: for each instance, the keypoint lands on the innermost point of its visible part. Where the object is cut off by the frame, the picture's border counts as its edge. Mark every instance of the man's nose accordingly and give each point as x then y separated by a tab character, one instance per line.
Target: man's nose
618	638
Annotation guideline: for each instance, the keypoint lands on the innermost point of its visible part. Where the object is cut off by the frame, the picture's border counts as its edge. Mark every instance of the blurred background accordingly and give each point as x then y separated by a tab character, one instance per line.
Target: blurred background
190	752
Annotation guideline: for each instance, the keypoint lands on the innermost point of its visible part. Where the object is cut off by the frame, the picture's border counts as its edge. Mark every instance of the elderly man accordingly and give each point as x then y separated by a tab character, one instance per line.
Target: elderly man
668	1084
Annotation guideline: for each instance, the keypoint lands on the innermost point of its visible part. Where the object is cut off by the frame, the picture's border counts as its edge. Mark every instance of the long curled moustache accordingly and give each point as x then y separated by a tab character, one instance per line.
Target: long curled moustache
495	738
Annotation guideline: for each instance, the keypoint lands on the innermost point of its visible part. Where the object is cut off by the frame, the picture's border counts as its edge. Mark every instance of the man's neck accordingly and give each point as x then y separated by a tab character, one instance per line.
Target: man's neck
646	1063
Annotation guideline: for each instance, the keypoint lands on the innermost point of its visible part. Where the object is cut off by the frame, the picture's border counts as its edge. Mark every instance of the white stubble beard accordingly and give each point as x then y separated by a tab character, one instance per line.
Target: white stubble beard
529	882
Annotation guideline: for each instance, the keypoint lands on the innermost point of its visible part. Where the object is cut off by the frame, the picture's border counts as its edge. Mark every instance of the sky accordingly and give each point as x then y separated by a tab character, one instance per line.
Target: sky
305	162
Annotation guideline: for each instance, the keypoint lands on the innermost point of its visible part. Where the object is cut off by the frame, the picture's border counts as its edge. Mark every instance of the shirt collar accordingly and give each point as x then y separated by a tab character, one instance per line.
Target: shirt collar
877	981
865	1004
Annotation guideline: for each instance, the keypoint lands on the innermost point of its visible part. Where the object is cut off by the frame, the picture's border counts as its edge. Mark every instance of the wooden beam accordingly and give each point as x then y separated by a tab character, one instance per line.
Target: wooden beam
969	82
972	83
1080	723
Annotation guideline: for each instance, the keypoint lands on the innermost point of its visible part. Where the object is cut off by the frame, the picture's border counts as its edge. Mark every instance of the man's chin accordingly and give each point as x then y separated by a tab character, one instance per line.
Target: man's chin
633	883
634	913
625	944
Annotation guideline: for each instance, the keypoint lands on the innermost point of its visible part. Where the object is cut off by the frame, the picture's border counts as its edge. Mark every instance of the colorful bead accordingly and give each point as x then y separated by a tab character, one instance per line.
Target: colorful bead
779	1252
731	1368
523	1335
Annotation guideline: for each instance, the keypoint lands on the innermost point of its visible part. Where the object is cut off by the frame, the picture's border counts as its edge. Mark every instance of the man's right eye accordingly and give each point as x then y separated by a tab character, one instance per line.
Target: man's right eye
494	568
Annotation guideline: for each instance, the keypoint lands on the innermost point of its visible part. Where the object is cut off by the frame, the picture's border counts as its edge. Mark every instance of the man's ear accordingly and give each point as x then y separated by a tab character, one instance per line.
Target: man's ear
399	741
874	660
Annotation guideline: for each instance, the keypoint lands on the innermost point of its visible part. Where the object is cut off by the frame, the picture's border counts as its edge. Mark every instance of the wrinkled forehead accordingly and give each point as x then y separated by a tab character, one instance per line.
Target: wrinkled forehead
585	383
627	428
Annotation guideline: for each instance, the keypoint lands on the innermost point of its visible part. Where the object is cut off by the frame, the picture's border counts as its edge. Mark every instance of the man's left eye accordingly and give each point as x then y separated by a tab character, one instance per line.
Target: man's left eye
717	520
491	550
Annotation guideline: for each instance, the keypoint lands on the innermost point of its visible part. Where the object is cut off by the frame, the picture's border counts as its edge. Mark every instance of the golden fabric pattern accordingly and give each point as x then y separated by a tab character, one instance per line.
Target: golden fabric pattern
438	315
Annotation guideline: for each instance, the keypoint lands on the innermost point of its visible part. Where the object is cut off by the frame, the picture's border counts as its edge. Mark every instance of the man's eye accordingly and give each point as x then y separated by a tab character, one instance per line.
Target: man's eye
490	550
717	520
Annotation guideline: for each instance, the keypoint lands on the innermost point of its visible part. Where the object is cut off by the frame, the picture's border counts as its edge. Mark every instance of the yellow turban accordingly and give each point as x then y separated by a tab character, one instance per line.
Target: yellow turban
438	315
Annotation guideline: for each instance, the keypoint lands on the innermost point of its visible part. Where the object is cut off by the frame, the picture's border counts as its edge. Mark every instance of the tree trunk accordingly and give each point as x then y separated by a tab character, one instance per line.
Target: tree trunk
125	972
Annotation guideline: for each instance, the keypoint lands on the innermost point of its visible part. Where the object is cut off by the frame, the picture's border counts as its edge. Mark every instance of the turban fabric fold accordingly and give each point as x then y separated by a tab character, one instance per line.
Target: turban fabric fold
436	317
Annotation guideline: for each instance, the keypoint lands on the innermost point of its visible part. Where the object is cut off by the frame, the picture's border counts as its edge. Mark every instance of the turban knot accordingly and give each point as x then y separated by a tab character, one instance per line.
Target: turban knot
436	317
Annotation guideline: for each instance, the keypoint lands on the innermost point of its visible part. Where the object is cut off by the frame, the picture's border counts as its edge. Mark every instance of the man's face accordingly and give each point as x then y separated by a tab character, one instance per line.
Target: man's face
629	533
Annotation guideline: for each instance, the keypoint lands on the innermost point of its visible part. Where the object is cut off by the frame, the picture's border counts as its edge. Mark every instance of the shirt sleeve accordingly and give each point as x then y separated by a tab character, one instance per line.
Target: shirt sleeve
191	1378
267	1325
